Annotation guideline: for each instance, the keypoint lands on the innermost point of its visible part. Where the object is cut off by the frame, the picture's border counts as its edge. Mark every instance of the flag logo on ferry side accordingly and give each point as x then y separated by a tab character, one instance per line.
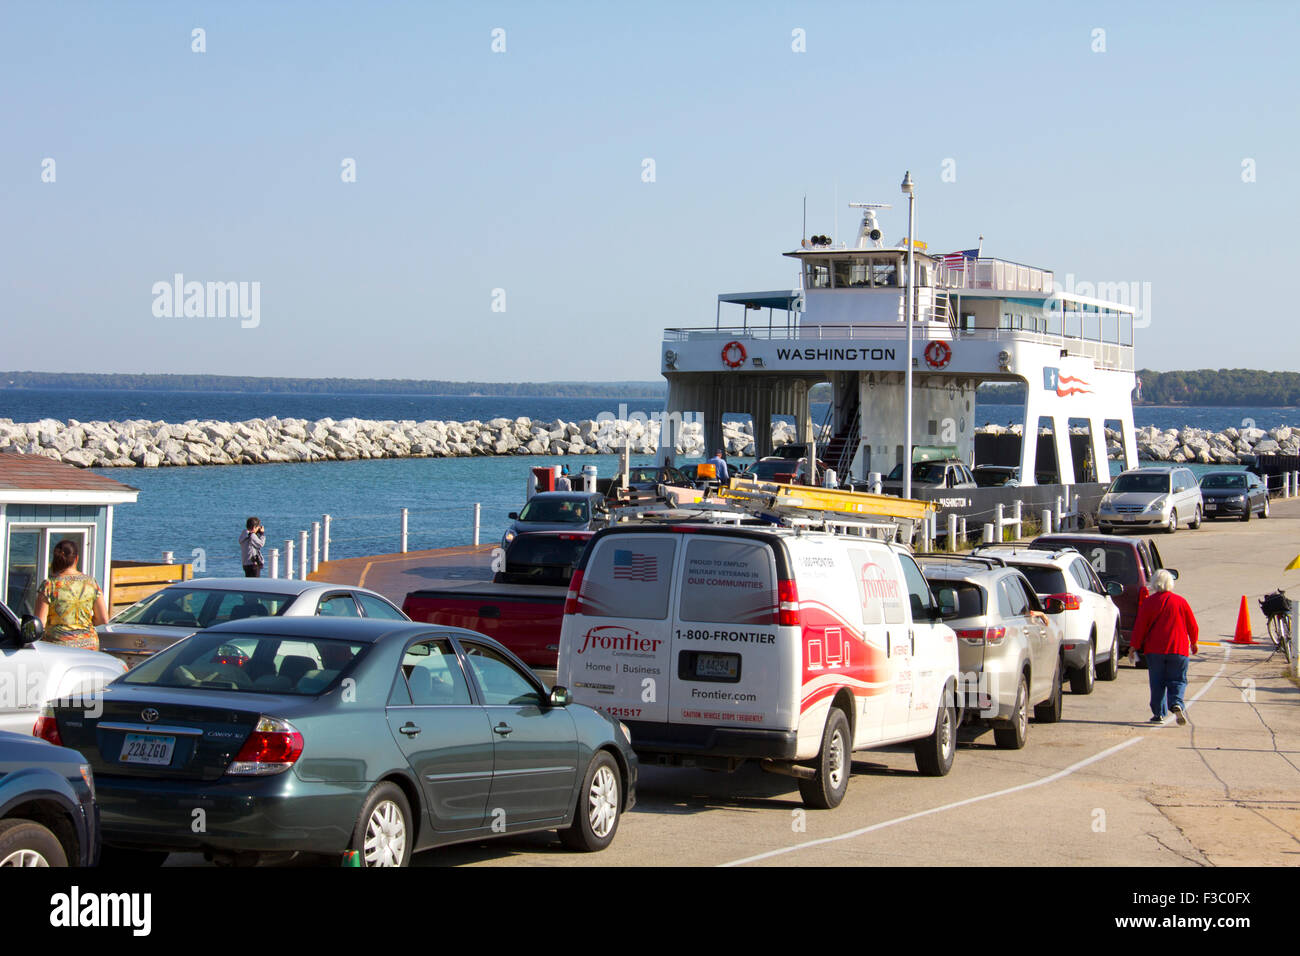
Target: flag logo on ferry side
635	566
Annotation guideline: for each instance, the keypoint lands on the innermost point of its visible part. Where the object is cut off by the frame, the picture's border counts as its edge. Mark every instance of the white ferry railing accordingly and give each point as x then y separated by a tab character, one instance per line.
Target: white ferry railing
994	275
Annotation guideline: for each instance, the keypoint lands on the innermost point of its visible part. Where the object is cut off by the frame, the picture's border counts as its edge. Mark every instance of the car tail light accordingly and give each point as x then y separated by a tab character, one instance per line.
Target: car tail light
983	635
1071	601
571	599
47	728
787	608
272	747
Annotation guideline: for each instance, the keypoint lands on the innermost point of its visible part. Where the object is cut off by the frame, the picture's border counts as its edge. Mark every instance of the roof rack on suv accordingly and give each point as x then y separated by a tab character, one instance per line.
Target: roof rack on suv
987	560
1014	547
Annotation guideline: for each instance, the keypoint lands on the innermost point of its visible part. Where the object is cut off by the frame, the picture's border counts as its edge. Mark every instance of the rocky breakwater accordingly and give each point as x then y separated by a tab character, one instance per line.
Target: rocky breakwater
1221	448
150	444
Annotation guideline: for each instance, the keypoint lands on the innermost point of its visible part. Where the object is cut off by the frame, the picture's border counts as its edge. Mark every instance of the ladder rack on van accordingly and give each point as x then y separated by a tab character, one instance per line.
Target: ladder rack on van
806	506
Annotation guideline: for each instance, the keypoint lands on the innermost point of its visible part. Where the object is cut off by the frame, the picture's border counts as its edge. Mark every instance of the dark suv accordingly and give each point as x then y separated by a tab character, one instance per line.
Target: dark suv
1129	561
48	815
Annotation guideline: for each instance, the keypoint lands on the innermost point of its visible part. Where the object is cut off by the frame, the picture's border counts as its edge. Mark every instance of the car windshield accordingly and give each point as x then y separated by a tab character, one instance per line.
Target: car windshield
250	663
1141	484
1222	480
199	607
643	476
559	510
927	472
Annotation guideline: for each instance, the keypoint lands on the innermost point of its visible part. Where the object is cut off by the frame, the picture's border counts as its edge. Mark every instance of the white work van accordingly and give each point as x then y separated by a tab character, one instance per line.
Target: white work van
716	645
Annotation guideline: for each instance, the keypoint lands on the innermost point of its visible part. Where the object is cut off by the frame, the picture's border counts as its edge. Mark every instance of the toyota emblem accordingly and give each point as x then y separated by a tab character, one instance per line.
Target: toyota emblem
149	714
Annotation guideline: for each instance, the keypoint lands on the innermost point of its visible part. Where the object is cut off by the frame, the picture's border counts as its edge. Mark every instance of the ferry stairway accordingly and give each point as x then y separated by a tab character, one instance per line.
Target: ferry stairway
839	450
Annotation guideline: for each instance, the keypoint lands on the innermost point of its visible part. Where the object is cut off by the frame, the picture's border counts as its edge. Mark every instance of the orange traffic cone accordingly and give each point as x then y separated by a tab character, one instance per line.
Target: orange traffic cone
1242	634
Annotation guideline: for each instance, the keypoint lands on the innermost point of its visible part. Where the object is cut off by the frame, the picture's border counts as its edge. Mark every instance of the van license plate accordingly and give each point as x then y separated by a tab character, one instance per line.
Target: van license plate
725	666
148	749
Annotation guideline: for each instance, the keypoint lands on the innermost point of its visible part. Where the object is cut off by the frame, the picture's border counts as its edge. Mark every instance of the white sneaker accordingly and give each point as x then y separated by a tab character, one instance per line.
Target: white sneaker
1179	714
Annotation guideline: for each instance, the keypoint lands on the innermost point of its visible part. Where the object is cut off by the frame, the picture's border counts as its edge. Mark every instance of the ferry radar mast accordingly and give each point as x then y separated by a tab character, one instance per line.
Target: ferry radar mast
869	231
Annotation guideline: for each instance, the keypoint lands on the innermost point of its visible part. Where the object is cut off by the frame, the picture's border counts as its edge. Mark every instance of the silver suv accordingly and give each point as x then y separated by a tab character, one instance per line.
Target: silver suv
1151	498
1009	650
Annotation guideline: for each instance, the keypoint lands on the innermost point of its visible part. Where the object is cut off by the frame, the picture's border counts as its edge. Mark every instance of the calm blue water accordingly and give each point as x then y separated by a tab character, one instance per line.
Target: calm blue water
184	509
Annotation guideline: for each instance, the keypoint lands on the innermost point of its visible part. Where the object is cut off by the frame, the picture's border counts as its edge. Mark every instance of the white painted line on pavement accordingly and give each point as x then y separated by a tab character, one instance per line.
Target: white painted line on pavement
1052	778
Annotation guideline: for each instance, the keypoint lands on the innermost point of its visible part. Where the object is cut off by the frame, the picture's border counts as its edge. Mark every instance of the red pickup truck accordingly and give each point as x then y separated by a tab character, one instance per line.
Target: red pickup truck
523	607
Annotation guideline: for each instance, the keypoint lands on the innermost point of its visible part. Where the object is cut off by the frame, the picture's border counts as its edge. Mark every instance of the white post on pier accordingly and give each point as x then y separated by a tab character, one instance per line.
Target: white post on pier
275	562
1047	521
478	520
625	465
1018	519
169	557
288	558
325	542
1056	515
952	532
988	534
405	518
961	528
302	555
999	524
315	545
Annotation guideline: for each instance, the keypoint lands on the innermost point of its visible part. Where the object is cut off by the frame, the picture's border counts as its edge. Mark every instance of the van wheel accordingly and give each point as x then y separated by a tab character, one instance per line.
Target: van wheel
1049	711
834	763
1173	522
1083	679
934	754
1013	737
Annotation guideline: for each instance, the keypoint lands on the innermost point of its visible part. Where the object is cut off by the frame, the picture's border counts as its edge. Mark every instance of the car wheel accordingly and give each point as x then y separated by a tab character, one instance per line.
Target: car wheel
24	843
1196	522
1264	512
1049	711
1110	669
834	764
1245	512
383	833
934	754
1173	522
1013	737
595	819
1083	679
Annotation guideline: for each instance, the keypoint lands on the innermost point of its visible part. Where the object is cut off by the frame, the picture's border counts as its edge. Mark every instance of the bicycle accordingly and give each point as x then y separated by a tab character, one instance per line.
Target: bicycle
1277	608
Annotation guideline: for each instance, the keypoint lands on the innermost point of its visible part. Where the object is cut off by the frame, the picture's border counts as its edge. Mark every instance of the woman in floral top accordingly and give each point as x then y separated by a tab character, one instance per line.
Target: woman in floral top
70	603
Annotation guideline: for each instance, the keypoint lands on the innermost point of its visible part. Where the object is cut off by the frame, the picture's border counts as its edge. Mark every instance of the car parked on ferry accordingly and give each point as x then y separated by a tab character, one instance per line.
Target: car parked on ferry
1010	651
187	607
1090	643
1234	494
1151	498
322	736
1130	562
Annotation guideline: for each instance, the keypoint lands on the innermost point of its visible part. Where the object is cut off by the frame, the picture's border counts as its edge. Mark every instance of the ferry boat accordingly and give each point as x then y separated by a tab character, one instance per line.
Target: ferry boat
976	319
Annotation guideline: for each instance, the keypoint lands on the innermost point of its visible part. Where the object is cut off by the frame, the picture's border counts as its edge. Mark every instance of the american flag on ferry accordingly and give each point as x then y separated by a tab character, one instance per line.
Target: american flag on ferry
635	566
957	260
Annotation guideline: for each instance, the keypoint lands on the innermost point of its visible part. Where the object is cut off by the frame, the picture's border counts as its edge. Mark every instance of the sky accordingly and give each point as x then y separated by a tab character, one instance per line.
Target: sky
533	192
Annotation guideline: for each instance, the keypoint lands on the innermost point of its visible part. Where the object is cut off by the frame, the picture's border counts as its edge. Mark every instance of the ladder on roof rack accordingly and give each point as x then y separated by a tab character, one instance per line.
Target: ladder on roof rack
830	508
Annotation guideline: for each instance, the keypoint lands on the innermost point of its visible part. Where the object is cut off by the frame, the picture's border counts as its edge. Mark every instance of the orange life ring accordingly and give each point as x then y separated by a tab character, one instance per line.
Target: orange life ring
733	348
938	354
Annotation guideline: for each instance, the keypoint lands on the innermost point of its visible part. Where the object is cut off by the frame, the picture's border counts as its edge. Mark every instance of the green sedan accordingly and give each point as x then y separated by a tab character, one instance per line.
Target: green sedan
360	740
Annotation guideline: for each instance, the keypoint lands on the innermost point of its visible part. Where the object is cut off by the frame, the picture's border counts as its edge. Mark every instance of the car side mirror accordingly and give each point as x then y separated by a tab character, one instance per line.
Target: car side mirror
1173	573
560	696
31	630
513	516
1114	588
1054	606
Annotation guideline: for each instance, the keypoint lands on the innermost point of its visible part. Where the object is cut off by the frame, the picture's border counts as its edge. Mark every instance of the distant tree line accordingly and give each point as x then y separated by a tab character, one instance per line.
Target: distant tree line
332	386
1225	386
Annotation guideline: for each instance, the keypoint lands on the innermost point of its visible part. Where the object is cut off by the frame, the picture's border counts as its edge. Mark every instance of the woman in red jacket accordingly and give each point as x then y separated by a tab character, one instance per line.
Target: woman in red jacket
1165	633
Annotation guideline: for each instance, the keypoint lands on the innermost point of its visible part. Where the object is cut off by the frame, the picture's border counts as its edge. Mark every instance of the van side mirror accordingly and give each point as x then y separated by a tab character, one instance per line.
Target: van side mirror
513	516
560	697
1114	588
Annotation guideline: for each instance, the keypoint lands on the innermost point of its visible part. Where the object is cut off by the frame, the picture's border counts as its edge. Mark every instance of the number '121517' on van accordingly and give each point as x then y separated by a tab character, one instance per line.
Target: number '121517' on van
716	645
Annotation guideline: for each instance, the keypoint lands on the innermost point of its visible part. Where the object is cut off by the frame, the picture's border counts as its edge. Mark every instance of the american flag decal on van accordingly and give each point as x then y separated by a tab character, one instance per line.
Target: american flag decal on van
635	566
